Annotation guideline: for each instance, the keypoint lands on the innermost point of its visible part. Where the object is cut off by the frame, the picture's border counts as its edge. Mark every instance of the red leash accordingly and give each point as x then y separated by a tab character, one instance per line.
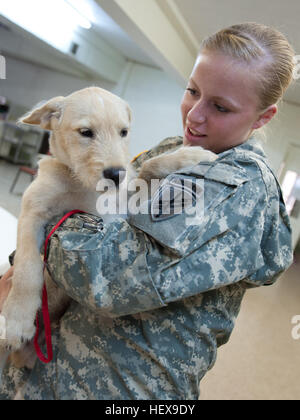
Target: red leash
45	309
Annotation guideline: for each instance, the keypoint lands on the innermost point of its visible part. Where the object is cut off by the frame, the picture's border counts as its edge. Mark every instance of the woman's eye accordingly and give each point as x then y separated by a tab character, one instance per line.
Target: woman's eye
193	92
86	132
221	108
124	132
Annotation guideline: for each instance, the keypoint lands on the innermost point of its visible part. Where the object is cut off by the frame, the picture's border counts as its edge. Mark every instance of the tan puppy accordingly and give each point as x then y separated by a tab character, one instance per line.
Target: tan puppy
89	141
90	134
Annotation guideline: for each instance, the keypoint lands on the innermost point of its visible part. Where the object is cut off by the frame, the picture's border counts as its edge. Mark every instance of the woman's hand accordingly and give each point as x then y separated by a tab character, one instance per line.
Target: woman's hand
5	286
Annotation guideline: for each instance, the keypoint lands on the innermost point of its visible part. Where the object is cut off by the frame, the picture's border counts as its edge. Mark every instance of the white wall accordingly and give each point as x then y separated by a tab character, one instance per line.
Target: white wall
153	96
155	100
283	130
27	84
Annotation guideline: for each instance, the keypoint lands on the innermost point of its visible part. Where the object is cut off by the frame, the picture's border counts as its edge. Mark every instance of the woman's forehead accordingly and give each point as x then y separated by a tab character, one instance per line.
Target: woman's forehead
220	75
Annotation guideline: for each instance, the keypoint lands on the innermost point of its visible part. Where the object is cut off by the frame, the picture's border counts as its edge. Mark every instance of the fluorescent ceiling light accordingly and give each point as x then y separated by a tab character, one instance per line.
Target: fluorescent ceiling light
80	10
54	22
85	11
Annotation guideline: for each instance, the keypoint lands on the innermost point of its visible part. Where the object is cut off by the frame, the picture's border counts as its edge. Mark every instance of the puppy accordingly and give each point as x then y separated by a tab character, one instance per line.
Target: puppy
89	142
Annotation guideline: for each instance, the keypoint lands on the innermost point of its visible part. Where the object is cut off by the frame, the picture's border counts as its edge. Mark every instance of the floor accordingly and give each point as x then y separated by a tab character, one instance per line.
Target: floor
262	359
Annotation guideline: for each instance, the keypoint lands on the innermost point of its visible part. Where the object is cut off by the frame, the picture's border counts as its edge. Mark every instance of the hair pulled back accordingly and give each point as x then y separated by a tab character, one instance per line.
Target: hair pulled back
265	50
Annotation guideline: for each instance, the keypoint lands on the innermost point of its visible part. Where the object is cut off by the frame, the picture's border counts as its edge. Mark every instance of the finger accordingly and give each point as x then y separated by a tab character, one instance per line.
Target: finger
7	275
5	286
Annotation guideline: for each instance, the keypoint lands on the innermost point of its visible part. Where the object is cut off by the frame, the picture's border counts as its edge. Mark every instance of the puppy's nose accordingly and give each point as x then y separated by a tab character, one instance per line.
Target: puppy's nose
115	174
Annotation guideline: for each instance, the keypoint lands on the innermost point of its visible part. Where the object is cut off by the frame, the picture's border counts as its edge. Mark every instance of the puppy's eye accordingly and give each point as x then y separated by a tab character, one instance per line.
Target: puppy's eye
124	132
86	132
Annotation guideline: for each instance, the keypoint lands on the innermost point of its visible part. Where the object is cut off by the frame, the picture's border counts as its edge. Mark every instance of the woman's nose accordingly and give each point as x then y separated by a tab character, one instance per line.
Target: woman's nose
197	114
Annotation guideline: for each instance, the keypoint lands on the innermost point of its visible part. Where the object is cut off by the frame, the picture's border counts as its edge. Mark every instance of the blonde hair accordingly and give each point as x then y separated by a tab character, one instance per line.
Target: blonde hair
264	47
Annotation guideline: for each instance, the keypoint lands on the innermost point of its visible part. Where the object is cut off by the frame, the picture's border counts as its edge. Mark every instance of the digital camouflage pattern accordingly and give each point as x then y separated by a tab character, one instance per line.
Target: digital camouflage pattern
153	299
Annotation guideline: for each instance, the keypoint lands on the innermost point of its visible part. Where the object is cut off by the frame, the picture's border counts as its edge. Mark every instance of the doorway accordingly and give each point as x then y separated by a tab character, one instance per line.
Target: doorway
290	183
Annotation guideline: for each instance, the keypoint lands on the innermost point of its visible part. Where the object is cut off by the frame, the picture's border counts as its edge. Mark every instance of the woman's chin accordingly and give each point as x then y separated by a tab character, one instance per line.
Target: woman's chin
195	142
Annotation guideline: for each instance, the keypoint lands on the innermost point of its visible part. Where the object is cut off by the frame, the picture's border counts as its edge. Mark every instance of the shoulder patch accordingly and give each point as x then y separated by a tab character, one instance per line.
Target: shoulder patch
176	195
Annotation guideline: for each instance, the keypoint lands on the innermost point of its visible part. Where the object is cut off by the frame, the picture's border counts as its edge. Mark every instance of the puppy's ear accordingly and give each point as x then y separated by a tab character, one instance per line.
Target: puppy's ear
46	114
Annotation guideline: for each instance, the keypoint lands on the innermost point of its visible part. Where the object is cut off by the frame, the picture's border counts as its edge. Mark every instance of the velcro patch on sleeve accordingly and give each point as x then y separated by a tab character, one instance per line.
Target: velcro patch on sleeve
176	195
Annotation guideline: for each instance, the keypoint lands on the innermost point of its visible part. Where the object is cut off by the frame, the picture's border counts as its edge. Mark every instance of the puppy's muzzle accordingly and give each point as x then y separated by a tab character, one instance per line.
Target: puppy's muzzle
115	174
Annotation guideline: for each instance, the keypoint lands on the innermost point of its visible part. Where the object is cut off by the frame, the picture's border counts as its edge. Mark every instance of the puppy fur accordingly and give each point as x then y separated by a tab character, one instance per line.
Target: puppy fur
89	134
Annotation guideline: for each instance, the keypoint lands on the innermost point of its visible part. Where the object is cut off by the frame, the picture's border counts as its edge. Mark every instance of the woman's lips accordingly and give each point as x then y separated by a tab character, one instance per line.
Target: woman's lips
193	136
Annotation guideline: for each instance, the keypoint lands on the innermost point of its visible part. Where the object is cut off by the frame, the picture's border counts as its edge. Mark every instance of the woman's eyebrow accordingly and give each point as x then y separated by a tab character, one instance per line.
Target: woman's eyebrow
228	100
217	97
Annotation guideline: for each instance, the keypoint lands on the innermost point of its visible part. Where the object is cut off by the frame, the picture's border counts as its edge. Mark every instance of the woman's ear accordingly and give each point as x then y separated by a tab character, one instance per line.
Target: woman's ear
43	115
265	117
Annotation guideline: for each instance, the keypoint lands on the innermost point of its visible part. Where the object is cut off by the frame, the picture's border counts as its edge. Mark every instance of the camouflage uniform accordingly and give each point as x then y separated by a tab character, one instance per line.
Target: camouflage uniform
153	299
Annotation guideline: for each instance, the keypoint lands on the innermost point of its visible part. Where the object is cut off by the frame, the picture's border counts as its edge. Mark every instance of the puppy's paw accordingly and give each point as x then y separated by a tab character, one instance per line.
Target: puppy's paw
152	169
161	166
17	334
17	322
189	156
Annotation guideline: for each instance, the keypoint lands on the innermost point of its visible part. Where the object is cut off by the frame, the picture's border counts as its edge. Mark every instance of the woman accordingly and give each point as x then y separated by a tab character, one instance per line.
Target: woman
156	295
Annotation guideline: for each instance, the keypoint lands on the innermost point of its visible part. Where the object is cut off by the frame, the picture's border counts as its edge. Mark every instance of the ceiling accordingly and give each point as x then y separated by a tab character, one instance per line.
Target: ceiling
115	36
208	16
167	33
195	19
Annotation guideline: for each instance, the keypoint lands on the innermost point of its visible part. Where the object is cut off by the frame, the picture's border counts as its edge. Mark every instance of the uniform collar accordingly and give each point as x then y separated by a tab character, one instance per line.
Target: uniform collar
252	144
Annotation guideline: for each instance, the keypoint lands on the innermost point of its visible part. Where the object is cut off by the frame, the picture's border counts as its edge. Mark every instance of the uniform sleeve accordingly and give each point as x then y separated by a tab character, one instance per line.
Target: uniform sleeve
151	259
